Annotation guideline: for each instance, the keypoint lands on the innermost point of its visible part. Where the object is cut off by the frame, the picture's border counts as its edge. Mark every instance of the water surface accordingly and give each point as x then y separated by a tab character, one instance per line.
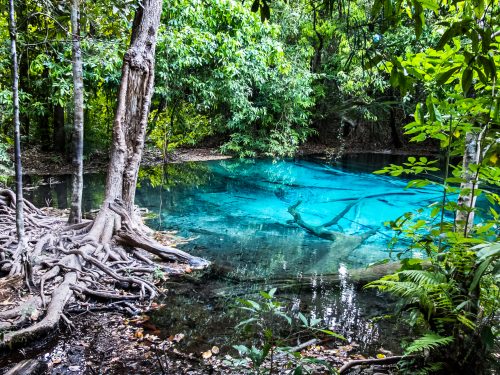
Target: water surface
236	215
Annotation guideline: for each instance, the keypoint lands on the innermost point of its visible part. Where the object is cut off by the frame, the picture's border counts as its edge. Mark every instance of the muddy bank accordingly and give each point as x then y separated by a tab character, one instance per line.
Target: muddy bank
118	343
50	163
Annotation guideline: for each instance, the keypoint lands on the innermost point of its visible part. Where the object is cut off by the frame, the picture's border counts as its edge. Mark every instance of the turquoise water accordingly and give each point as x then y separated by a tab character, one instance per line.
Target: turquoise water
236	213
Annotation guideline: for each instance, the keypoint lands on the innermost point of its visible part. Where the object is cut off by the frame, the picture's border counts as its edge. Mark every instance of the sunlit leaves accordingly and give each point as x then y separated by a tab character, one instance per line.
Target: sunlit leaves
233	72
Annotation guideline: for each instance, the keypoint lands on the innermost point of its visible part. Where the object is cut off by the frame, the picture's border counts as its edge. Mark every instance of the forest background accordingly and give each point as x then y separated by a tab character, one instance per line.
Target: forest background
263	78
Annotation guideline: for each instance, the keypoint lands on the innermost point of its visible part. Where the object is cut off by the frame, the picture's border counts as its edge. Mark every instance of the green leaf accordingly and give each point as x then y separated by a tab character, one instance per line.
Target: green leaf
245	322
303	319
487	337
429	4
265	295
467	80
448	35
443	77
242	349
373	61
418	18
479	274
286	317
314	321
428	341
333	334
418	183
376	7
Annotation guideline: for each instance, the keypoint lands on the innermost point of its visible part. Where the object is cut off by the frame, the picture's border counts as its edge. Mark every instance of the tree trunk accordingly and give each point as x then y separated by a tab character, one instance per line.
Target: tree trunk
396	141
134	99
17	136
22	17
75	213
464	218
59	135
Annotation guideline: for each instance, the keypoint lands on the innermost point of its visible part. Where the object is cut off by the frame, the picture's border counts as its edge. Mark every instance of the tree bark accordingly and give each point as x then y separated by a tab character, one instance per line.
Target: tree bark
17	135
75	213
134	99
464	218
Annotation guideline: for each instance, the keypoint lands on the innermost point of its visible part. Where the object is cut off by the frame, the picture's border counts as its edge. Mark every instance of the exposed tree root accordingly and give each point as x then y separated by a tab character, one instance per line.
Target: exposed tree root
372	361
111	258
322	230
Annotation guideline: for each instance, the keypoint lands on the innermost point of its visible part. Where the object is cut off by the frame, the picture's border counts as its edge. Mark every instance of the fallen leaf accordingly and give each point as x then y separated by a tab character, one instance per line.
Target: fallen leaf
139	334
178	337
35	315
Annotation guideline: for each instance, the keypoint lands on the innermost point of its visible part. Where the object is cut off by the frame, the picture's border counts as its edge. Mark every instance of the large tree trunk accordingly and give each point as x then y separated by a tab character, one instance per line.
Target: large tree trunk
129	127
137	90
20	253
75	213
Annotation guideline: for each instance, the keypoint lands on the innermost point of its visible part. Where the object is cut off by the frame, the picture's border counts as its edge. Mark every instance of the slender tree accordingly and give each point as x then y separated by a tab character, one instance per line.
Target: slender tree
20	253
464	218
75	214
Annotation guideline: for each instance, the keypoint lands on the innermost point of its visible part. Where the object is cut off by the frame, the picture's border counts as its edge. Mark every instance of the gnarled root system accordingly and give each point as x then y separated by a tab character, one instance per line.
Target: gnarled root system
111	257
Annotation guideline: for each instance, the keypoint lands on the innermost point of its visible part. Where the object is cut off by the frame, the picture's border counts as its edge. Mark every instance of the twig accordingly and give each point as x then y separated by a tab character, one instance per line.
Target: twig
372	361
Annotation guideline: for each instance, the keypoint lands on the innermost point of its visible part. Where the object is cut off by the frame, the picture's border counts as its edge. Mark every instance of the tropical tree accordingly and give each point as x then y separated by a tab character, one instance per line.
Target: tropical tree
455	299
75	214
21	254
221	70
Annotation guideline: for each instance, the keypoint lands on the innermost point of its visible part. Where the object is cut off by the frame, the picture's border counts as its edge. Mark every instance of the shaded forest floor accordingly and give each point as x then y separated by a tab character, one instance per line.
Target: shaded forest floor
40	162
112	343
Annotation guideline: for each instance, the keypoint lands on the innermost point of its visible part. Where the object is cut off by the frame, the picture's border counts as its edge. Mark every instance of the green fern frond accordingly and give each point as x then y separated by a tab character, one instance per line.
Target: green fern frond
401	288
462	318
442	300
428	341
423	277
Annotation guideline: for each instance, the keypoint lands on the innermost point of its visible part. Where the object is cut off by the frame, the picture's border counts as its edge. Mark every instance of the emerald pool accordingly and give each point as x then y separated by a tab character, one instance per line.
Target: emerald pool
235	213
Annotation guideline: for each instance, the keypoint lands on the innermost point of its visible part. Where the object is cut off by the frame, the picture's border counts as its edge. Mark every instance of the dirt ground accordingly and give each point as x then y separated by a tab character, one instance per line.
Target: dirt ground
112	343
49	163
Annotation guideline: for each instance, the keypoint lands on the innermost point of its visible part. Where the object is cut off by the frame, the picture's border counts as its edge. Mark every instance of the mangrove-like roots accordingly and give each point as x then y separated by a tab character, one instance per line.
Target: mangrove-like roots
110	258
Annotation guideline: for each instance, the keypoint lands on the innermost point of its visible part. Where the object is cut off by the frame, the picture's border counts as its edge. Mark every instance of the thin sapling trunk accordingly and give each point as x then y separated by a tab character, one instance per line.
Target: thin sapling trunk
75	215
21	240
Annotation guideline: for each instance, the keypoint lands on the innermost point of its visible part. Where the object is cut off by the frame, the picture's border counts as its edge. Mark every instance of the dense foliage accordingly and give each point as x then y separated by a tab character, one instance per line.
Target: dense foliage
257	88
263	83
451	293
